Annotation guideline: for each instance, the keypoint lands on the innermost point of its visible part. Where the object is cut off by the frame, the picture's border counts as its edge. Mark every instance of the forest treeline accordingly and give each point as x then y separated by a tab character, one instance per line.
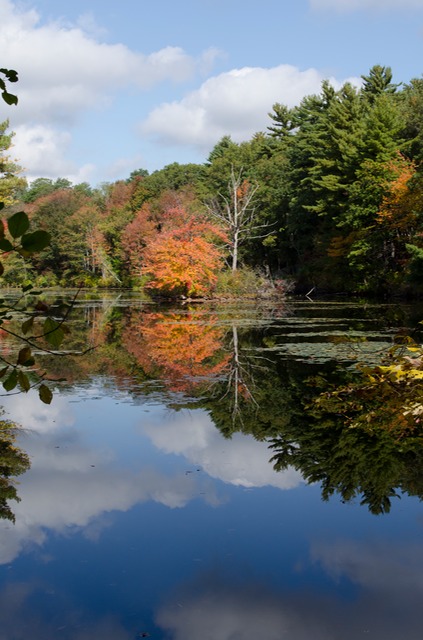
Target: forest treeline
329	196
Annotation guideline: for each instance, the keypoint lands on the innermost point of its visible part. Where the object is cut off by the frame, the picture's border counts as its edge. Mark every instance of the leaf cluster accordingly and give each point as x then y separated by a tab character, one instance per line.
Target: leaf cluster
11	76
35	324
387	396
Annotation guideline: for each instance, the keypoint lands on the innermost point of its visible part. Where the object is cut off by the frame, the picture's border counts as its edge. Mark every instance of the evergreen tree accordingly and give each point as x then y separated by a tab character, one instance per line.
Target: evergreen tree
378	81
283	124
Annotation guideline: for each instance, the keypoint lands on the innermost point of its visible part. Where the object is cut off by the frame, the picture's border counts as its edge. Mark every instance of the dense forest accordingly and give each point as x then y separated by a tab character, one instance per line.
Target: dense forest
330	196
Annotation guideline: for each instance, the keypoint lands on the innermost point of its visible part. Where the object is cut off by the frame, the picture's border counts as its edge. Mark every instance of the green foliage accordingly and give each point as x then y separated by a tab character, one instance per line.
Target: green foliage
363	438
283	122
173	177
322	173
243	283
378	82
43	187
22	319
384	397
415	266
11	184
411	110
11	76
339	171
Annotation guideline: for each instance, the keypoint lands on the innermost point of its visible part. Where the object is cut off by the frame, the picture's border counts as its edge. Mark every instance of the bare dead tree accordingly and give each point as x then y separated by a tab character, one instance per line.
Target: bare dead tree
237	213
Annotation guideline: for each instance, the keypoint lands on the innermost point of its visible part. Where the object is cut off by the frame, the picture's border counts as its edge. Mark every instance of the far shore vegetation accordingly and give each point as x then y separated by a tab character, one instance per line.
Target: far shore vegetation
329	197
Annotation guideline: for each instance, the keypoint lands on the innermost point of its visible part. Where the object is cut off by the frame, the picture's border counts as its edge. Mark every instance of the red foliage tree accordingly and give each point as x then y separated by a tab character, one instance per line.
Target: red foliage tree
136	237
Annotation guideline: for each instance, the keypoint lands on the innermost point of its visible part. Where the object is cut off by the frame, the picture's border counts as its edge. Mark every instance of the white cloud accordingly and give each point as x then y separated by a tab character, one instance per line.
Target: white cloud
235	103
208	59
65	71
124	165
89	25
42	152
353	5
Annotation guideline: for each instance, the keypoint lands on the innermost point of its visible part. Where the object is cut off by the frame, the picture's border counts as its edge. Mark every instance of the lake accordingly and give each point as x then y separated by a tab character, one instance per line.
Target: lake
152	507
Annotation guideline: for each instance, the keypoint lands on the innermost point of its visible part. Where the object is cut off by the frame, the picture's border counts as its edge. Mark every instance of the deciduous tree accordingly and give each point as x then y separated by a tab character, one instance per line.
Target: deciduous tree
236	212
184	259
11	183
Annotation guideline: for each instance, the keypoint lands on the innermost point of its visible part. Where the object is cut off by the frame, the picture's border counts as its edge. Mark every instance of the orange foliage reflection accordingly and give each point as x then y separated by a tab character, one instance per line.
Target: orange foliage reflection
184	349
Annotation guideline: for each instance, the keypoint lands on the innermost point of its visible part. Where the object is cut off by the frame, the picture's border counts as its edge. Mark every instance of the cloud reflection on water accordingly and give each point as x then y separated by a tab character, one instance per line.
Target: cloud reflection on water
73	483
384	608
241	461
346	588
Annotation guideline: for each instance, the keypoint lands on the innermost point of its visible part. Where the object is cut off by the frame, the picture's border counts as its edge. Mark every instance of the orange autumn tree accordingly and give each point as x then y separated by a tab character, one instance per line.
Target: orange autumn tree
400	212
184	258
402	202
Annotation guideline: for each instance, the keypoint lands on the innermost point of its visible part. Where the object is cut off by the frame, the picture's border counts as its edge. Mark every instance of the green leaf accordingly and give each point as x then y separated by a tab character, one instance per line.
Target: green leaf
18	224
27	325
23	381
27	287
1	269
53	332
5	245
10	74
35	241
45	394
9	98
3	371
24	355
11	381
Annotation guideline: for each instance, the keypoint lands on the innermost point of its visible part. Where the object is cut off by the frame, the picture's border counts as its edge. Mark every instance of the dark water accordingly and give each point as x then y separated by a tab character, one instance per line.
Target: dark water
151	508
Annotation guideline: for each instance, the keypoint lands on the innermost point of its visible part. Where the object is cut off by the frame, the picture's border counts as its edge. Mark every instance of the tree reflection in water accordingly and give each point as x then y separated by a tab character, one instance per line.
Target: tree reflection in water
217	359
13	462
184	349
222	364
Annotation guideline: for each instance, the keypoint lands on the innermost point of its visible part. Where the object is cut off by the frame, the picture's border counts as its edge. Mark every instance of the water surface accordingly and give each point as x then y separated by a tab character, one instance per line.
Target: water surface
151	507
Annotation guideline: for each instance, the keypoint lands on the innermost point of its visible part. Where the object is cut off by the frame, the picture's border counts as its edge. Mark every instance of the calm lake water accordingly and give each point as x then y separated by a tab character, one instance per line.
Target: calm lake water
152	509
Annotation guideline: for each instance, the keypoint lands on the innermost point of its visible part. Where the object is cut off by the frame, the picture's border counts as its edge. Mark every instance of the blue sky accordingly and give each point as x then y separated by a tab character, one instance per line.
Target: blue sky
109	86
